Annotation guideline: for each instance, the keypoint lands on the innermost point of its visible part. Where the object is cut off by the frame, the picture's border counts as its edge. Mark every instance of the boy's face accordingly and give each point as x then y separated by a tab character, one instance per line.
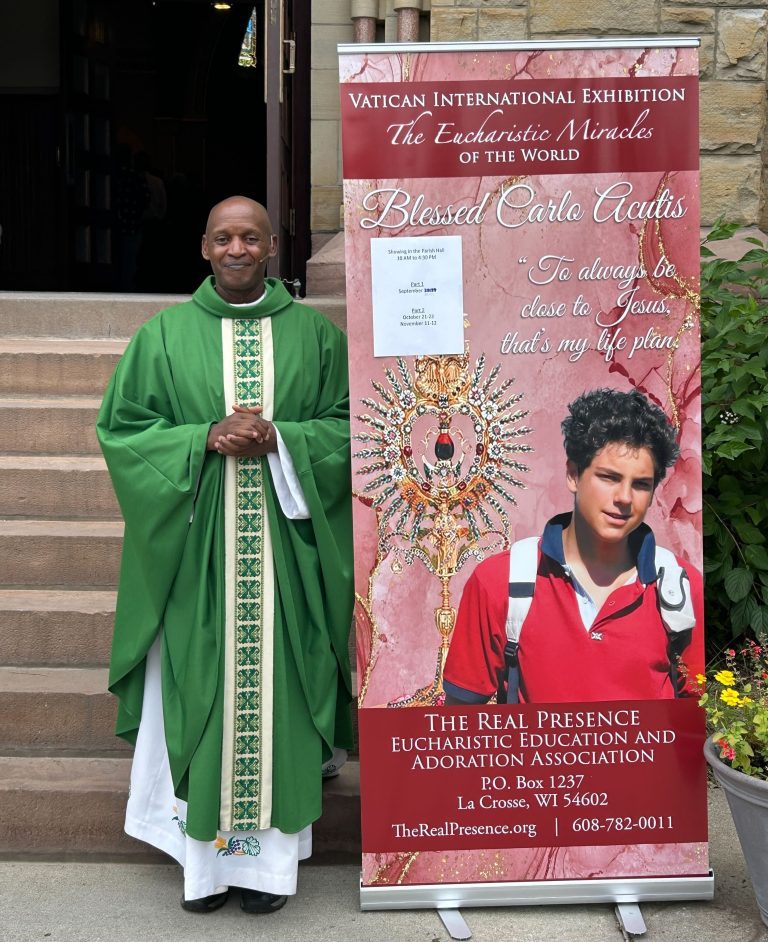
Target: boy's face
613	494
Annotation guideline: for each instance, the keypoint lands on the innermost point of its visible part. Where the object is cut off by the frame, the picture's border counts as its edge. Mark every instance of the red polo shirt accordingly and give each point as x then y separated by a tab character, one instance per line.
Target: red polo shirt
624	655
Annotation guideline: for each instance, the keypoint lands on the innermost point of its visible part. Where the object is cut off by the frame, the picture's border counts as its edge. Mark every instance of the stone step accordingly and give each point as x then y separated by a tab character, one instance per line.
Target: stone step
41	367
96	316
326	270
48	711
66	809
73	315
48	426
66	553
335	309
51	628
74	808
47	486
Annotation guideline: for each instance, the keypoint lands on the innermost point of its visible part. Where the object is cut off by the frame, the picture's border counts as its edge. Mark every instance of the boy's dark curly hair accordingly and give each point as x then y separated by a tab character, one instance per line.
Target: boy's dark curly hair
602	416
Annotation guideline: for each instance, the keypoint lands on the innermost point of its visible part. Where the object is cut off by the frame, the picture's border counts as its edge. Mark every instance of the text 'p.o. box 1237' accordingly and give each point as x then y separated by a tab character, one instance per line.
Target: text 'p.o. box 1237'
418	301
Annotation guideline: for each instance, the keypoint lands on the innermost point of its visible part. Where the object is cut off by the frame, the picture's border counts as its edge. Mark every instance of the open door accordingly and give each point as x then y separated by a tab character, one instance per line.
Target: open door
287	76
89	168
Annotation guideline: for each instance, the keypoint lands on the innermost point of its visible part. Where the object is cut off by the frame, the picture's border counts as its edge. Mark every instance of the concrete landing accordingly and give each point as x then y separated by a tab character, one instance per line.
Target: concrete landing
133	903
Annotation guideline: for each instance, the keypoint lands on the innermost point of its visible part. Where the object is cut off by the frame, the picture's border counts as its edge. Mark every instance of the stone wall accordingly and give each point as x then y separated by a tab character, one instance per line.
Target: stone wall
734	175
331	24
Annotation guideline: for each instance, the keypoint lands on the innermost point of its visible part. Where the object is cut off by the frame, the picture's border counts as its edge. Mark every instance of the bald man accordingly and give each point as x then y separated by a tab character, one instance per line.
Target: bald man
226	432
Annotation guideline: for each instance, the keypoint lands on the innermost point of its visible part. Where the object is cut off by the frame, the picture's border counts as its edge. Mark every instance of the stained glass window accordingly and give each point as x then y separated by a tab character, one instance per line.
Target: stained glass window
248	51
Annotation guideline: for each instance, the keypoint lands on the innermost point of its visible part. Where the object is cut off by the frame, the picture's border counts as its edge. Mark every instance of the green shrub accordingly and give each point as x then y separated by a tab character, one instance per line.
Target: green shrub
734	370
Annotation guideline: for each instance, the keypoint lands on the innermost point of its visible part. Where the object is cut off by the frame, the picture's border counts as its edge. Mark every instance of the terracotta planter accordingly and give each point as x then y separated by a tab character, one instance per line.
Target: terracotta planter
748	801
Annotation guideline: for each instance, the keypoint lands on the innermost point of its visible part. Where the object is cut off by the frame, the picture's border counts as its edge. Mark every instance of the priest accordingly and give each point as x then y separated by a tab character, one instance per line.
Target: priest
225	428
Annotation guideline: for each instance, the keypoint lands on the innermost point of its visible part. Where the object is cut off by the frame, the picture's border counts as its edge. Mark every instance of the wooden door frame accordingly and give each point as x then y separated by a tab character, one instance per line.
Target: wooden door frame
295	255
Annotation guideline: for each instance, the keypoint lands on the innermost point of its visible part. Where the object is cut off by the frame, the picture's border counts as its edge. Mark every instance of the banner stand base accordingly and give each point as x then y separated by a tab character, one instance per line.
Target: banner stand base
538	893
454	923
630	920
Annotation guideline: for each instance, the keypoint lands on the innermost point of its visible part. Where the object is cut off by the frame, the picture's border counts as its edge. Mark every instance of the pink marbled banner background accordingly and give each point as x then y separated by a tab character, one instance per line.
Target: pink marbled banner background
397	639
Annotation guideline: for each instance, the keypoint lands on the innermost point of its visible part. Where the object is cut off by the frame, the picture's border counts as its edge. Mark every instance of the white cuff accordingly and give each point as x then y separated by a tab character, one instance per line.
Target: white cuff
286	481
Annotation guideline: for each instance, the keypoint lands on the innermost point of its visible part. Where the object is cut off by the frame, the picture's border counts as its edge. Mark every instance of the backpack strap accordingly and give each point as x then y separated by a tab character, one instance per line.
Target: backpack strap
523	565
673	588
673	591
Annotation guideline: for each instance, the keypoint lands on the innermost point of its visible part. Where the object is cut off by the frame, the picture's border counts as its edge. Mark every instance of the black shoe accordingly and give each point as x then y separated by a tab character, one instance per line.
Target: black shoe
206	904
254	901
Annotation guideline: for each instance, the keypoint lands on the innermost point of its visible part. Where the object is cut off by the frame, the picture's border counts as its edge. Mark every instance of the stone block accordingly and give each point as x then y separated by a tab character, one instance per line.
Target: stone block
60	710
64	553
88	316
325	162
326	201
763	220
456	25
67	808
325	93
730	187
73	808
688	20
35	367
331	11
732	116
335	309
327	268
761	4
707	57
324	39
741	38
50	627
69	427
502	24
50	486
603	16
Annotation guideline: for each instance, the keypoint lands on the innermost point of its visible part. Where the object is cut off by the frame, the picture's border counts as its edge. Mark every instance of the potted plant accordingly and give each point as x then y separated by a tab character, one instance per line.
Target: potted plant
735	699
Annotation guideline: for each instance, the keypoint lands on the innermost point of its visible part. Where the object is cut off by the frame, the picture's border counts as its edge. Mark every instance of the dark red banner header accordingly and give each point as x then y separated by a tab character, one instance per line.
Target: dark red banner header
470	129
558	775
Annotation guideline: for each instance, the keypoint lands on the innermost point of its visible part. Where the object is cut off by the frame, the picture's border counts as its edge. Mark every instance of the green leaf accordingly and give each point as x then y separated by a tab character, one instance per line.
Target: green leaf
742	612
738	582
747	532
756	556
759	620
733	449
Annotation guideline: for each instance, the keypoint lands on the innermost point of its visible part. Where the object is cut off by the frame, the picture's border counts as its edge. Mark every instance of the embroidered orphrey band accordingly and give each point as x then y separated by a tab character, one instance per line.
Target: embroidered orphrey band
251	672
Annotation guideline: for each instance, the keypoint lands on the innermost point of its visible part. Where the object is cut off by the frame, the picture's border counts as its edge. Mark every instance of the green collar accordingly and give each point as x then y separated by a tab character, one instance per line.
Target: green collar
276	300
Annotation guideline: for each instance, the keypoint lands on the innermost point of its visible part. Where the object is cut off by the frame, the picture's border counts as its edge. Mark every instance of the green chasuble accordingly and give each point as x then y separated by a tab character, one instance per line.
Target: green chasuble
254	608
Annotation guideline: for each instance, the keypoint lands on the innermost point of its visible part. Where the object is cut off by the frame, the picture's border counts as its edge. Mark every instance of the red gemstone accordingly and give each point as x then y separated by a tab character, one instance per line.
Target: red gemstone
479	448
426	487
407	451
461	485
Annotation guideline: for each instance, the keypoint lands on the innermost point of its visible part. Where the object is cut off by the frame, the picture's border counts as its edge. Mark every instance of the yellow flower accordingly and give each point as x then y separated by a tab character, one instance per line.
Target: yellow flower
701	679
745	700
730	697
725	678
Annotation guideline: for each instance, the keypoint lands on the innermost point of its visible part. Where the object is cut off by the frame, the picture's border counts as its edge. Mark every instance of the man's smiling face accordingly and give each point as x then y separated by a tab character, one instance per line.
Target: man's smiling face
238	242
613	494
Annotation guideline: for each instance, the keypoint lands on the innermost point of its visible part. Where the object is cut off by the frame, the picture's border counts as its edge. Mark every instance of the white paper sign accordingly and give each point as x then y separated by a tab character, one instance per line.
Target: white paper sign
418	296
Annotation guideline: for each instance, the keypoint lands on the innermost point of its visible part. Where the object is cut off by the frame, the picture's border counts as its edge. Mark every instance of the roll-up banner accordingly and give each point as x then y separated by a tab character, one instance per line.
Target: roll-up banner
522	259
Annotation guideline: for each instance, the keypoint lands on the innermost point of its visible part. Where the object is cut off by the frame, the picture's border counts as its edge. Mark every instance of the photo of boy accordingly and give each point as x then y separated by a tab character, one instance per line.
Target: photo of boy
593	610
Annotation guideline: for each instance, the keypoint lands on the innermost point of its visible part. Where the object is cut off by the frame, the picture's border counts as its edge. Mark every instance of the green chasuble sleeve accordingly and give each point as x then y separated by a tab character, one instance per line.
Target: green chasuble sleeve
153	424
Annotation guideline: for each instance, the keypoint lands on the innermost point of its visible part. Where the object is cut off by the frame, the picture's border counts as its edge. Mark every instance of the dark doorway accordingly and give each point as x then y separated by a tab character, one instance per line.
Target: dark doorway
160	112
